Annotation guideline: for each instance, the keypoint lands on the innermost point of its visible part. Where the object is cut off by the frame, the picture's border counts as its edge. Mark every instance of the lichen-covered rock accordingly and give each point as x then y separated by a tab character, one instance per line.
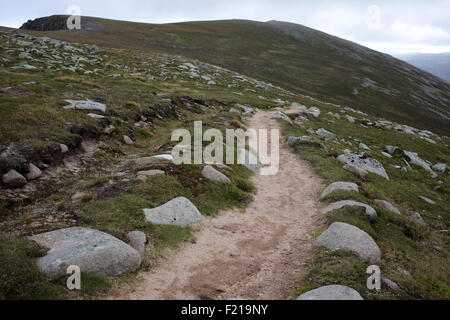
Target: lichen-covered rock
95	252
333	292
179	212
347	237
364	161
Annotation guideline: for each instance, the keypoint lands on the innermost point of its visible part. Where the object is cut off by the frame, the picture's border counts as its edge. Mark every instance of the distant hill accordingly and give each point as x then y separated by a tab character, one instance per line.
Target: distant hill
292	56
437	64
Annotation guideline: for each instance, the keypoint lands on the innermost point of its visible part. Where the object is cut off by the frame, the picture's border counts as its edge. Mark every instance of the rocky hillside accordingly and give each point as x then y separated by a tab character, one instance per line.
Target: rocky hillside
293	57
85	156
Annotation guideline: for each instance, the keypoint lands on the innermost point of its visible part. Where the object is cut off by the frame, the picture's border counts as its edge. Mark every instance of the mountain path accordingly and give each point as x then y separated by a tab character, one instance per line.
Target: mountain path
260	254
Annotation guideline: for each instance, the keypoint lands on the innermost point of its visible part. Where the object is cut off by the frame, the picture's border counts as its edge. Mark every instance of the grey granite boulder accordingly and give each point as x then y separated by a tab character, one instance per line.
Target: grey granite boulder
325	133
95	252
364	161
138	239
415	159
370	212
212	174
333	292
178	212
347	237
346	186
388	206
14	179
304	141
85	105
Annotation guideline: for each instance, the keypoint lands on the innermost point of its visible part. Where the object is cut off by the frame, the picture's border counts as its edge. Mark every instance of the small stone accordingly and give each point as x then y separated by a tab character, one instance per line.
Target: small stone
336	186
389	283
363	146
150	173
141	179
128	140
391	149
325	133
416	217
34	172
14	179
387	155
363	174
219	225
64	148
440	167
427	200
138	239
212	174
178	212
80	196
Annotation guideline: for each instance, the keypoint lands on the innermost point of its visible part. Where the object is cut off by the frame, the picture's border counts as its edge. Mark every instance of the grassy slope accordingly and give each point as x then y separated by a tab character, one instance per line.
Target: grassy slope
294	57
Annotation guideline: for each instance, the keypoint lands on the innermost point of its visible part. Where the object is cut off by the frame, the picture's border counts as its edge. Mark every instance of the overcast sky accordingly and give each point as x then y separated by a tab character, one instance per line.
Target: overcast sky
392	26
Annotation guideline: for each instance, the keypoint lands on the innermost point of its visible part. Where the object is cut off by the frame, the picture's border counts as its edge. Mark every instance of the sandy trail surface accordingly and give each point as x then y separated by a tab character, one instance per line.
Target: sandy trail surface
258	254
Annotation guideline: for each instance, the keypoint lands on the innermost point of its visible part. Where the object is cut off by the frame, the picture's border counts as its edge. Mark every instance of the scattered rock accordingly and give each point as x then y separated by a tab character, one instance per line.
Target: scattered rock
179	211
363	146
364	161
96	253
95	116
138	239
14	179
386	205
324	133
416	217
212	174
304	141
427	200
281	115
128	140
347	186
370	212
387	155
34	172
389	283
85	105
150	173
347	237
415	159
333	292
64	148
233	110
350	119
224	167
155	159
391	149
80	196
440	167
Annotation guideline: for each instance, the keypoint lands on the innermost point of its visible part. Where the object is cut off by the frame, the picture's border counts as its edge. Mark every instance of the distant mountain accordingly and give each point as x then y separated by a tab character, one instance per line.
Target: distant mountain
437	64
289	55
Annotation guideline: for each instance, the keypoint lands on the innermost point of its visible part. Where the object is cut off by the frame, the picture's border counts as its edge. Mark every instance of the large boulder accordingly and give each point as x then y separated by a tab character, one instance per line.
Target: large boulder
415	159
370	212
388	206
333	292
85	105
95	252
179	212
212	174
304	141
14	179
346	186
364	161
347	237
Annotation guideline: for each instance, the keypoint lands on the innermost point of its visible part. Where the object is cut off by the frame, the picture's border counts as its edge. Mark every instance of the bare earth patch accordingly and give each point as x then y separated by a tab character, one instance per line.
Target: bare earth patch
260	254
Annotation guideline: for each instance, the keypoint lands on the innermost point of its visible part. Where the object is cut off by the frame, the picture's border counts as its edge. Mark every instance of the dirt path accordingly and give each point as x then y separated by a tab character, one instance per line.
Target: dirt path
259	254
